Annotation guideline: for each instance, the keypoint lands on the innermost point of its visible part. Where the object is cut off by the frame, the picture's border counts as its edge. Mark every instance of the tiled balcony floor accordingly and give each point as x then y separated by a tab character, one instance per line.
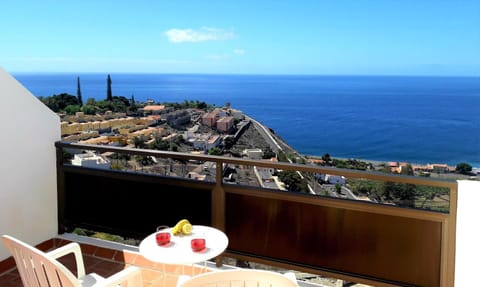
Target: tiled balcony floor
106	262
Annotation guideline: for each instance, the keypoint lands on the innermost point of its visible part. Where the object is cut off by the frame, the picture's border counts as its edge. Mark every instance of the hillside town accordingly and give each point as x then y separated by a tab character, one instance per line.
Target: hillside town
228	132
162	127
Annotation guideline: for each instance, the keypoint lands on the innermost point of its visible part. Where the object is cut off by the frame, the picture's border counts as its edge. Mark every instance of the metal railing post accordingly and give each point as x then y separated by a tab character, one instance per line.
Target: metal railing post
60	191
218	203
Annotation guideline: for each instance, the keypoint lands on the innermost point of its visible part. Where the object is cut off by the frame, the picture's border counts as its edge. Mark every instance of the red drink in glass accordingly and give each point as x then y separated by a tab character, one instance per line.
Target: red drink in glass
162	238
198	244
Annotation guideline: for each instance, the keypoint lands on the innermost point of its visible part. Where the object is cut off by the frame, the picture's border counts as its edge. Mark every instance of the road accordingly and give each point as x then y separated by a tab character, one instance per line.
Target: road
266	135
273	144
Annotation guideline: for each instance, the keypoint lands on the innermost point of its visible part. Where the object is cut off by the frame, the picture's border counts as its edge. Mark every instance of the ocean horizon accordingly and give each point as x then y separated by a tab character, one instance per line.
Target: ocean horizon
416	119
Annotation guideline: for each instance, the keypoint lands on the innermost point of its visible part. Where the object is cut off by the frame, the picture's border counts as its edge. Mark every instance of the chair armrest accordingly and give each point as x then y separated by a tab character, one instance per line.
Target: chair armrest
74	248
130	275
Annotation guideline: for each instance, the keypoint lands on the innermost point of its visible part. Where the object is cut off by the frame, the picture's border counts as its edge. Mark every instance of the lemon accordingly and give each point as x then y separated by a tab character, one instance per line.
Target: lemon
187	228
178	228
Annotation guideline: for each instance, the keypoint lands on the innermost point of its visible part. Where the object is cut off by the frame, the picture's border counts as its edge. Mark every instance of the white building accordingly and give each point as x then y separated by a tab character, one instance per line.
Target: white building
335	179
90	159
205	141
254	153
189	133
332	179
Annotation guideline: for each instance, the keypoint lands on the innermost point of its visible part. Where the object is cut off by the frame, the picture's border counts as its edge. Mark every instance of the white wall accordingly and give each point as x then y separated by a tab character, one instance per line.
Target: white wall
468	233
28	189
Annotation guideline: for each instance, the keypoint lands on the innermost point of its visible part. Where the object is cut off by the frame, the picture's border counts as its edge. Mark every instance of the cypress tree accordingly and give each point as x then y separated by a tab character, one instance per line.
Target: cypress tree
132	101
109	89
79	92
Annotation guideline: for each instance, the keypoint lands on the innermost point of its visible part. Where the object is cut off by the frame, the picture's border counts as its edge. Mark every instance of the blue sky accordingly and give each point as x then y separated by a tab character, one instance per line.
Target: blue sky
356	37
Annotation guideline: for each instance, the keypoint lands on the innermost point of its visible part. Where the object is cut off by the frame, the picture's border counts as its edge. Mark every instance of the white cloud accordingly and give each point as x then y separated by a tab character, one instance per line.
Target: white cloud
239	51
200	35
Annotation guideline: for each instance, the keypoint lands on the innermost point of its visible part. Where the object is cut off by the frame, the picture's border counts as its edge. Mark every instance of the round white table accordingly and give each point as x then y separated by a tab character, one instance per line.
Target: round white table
179	251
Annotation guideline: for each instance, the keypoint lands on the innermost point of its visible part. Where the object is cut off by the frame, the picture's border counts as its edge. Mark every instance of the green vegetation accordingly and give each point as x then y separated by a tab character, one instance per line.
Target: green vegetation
144	160
292	157
99	235
463	168
282	157
293	181
120	161
171	145
326	158
70	104
139	142
215	151
58	103
190	105
89	109
351	164
228	142
72	109
118	104
346	163
407	195
268	154
338	188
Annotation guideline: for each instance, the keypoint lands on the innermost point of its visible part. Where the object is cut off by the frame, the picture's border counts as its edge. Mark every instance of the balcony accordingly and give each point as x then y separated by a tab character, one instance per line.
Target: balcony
106	259
46	197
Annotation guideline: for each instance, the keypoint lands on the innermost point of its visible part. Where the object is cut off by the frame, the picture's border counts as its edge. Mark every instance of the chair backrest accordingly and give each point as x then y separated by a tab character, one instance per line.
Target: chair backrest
239	278
36	268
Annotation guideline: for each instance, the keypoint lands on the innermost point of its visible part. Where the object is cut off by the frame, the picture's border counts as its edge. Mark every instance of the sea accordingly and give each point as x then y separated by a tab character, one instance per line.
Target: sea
385	118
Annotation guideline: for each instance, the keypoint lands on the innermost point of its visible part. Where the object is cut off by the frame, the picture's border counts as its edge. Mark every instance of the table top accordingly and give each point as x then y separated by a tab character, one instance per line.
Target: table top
178	251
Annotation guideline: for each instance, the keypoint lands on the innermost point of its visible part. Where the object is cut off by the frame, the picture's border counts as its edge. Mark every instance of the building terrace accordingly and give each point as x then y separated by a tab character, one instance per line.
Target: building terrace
44	197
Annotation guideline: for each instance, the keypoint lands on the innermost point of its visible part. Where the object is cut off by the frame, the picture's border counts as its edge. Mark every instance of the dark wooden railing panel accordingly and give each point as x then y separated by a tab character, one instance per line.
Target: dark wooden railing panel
131	204
391	248
363	242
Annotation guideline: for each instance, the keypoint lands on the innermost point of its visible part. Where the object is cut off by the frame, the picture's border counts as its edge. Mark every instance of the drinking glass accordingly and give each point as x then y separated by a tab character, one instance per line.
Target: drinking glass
198	244
162	237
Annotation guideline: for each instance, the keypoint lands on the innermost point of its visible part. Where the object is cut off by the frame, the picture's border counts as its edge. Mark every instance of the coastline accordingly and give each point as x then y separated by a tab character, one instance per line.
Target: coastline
448	170
373	119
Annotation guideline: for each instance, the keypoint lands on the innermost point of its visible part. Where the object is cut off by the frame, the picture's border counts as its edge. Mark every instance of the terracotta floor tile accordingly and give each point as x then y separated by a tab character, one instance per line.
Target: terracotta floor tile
91	260
11	279
143	262
46	245
107	268
124	256
150	275
167	281
171	281
105	253
7	264
60	242
88	249
68	260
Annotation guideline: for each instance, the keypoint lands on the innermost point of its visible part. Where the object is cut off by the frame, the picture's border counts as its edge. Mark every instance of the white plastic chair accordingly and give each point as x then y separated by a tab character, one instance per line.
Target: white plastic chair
239	278
41	269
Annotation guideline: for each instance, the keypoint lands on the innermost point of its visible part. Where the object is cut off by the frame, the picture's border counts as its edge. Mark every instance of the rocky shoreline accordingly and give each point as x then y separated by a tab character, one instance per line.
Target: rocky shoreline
445	171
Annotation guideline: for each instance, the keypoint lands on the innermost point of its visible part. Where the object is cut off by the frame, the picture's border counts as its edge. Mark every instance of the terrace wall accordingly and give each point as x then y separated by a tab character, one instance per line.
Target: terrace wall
28	192
468	233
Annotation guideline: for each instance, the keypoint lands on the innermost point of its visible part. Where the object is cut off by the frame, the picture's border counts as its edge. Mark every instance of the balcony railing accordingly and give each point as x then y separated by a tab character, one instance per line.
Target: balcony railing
360	241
